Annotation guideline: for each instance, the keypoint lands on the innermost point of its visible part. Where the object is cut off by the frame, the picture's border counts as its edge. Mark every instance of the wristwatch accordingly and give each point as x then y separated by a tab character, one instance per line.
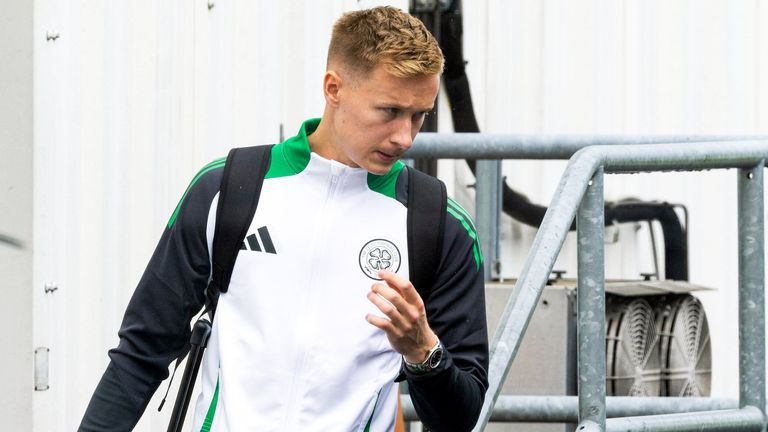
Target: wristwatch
431	363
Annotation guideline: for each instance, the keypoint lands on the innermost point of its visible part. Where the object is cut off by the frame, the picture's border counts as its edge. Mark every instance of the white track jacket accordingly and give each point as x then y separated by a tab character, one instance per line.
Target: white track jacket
290	348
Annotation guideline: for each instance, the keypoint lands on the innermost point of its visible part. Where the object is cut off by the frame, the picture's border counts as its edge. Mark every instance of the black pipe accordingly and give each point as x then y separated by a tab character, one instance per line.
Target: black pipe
516	204
521	209
431	19
675	243
455	75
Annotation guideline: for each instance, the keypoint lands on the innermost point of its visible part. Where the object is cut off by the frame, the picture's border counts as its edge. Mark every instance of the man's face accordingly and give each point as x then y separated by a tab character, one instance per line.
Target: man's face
377	117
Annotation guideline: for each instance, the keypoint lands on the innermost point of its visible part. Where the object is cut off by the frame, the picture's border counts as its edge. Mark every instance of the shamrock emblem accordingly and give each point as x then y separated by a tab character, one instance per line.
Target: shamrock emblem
379	254
379	259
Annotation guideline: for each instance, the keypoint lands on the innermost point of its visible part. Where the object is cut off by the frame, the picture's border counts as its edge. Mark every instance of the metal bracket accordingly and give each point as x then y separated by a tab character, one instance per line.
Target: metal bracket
41	368
50	287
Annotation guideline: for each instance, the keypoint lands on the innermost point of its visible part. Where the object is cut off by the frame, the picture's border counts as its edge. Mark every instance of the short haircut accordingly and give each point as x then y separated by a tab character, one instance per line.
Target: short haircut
385	36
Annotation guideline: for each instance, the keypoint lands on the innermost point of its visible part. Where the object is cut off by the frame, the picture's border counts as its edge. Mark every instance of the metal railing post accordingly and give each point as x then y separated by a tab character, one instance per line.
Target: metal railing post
590	293
751	287
538	265
488	208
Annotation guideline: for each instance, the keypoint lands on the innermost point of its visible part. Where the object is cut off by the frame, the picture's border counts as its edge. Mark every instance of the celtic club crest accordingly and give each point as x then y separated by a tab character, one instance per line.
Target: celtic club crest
378	255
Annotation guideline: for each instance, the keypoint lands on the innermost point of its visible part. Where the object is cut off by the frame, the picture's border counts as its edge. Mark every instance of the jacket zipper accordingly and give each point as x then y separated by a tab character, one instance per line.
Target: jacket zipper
300	363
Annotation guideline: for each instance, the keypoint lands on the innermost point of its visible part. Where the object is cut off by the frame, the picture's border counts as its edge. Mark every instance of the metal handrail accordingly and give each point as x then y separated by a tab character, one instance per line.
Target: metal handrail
580	189
565	409
747	419
536	146
585	171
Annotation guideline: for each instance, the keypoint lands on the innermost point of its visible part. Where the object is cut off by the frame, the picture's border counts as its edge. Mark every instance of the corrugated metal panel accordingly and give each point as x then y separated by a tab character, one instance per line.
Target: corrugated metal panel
16	204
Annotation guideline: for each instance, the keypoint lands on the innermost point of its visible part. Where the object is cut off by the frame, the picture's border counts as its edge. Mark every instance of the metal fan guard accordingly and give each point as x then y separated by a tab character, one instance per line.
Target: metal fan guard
657	346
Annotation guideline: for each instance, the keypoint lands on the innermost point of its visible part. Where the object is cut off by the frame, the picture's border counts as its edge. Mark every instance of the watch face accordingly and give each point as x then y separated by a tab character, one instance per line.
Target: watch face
434	360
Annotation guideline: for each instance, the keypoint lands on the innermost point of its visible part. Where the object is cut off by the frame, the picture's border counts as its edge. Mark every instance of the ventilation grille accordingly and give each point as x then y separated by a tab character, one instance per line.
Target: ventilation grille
657	346
686	350
634	367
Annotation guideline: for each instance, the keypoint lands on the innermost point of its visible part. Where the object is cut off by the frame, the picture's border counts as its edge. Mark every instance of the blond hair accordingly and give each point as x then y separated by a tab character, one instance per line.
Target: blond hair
385	36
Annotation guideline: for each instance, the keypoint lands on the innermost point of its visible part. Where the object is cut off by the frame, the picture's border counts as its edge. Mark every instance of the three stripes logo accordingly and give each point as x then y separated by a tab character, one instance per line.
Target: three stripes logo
260	241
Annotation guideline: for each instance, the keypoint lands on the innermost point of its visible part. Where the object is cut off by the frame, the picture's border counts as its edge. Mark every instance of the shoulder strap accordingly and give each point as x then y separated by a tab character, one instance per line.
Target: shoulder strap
239	192
241	183
427	202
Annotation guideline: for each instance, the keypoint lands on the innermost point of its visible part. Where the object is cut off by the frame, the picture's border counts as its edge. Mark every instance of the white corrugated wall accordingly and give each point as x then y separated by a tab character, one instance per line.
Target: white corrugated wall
16	229
133	97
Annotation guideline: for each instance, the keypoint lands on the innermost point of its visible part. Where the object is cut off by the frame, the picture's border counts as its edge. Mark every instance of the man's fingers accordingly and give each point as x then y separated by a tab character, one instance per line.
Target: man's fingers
379	322
391	294
410	312
387	308
383	323
402	285
405	321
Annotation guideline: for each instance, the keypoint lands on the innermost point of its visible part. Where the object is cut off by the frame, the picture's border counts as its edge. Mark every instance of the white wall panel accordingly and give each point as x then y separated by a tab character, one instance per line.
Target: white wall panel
16	210
761	90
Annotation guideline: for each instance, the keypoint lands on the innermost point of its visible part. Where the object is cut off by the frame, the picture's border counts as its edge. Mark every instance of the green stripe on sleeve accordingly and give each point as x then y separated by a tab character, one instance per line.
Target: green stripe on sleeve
218	163
472	234
211	410
462	211
478	255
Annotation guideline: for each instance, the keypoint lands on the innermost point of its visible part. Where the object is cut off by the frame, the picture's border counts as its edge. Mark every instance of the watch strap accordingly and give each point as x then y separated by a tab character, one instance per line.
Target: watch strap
433	360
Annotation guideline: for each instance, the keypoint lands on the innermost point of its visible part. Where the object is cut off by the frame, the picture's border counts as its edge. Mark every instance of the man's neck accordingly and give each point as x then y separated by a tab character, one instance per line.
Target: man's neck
321	142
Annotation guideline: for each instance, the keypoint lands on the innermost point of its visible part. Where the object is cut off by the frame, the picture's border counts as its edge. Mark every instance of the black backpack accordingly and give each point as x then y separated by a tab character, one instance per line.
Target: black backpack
239	193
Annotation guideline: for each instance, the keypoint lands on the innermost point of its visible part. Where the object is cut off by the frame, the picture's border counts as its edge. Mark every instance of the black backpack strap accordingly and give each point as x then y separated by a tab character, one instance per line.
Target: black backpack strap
241	183
427	201
239	192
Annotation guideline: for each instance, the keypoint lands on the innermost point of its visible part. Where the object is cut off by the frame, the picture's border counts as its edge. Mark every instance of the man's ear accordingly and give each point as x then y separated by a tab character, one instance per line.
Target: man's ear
332	83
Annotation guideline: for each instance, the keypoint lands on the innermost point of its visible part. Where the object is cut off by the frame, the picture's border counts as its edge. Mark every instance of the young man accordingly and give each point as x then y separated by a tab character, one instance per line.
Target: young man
312	333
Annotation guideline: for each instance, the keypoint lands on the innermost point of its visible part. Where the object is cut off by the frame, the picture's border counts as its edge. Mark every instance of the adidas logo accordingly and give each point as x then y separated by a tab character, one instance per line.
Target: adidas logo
259	241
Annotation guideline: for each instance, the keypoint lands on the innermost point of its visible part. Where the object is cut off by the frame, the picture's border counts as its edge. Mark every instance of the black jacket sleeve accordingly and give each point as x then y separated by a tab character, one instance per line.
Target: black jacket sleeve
156	326
450	397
